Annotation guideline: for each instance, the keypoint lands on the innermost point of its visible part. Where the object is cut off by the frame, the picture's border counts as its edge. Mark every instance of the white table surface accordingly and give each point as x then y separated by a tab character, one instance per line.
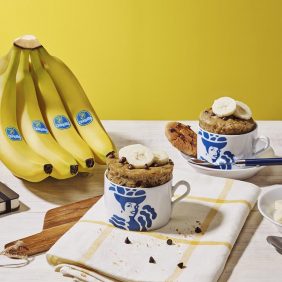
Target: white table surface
252	259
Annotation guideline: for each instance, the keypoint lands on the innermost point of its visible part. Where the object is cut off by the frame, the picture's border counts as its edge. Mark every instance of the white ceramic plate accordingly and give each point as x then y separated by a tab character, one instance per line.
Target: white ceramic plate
240	173
266	204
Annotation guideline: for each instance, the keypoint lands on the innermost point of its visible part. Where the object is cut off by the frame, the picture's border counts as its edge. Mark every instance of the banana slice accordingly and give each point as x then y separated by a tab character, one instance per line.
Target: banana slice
278	205
242	111
137	155
160	157
277	216
224	106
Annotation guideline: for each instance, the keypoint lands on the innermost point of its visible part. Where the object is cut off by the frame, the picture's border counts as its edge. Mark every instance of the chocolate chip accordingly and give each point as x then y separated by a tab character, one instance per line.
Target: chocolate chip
206	111
122	160
198	229
169	242
147	167
152	260
172	130
212	114
130	166
189	127
170	162
111	154
181	265
181	136
138	183
155	165
127	241
225	118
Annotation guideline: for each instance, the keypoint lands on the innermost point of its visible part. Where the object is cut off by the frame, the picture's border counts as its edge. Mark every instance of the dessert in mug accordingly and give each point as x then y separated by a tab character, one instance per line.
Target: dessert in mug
138	166
227	117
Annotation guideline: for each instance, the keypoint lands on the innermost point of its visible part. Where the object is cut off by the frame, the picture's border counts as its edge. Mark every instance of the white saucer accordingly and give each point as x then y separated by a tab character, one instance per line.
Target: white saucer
240	173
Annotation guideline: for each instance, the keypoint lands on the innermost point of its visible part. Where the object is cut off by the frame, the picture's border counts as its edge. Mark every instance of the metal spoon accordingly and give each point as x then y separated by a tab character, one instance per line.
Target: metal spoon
276	242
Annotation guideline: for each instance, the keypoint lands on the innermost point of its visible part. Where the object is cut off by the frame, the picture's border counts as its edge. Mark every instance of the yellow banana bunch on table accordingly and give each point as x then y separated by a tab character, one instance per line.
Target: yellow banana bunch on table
48	127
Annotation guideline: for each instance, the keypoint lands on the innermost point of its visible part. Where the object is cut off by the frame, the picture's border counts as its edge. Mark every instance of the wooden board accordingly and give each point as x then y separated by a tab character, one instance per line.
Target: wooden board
57	222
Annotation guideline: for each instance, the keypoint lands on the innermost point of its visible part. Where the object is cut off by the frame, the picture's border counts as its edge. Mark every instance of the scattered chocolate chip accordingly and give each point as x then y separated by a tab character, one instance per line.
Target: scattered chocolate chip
147	167
170	162
181	265
127	241
198	229
130	166
155	165
111	154
169	242
189	127
138	183
225	118
152	260
122	160
178	124
172	130
206	111
212	114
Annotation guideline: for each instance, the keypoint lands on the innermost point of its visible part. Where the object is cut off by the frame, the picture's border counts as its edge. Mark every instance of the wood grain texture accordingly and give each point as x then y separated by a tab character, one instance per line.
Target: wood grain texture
251	260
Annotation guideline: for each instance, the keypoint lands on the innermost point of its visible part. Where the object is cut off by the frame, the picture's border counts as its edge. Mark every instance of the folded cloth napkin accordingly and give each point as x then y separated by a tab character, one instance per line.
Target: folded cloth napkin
203	229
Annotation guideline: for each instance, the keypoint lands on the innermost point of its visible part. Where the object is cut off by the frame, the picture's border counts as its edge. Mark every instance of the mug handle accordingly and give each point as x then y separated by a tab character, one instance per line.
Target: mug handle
266	142
174	187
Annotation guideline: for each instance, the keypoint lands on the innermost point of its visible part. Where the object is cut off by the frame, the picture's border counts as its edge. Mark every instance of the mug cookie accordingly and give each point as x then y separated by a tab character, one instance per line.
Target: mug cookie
182	137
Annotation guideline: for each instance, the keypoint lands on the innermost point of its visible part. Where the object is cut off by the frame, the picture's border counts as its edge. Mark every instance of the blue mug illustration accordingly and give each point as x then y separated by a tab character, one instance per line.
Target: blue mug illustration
133	215
214	150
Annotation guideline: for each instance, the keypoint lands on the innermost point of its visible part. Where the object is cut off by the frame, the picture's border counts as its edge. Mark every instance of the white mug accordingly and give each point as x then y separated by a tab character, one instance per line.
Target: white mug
141	209
225	149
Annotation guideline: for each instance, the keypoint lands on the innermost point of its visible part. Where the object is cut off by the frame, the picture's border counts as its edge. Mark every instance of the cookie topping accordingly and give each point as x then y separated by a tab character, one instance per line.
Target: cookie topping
146	166
122	160
198	230
111	154
172	130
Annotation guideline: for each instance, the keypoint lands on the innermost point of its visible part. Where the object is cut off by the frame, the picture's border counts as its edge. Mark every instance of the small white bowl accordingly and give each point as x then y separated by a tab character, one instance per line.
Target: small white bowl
266	204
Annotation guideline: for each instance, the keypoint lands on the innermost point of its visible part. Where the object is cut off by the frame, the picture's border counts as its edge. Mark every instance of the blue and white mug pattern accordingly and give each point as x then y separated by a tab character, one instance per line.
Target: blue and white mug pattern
223	150
140	209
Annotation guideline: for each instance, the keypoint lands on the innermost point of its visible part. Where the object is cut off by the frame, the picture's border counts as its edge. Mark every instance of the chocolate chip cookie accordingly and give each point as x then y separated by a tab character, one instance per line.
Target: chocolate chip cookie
182	137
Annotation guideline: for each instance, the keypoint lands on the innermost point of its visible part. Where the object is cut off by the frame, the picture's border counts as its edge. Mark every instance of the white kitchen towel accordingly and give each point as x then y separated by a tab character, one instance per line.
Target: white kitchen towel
94	250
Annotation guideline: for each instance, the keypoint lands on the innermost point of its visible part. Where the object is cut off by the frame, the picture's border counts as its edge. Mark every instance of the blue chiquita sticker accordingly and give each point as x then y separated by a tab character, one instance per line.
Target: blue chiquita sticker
62	122
13	134
84	118
134	215
39	127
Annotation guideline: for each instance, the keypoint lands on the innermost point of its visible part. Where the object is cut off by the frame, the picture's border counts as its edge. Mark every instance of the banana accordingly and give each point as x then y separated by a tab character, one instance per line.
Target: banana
242	111
56	116
33	128
4	61
277	216
160	157
137	155
78	107
278	204
14	151
224	106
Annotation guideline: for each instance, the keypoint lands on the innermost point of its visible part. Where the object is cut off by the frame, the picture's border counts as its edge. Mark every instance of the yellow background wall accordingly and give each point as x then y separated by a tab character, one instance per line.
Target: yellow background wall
152	59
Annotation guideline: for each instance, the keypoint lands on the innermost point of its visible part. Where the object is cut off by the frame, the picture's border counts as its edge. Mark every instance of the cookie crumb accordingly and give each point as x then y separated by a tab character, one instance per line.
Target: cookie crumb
127	241
198	230
152	260
181	265
169	242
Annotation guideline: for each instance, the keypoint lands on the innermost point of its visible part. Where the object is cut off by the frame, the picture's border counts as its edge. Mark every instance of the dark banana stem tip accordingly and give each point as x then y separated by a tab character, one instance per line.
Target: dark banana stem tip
48	168
73	169
90	162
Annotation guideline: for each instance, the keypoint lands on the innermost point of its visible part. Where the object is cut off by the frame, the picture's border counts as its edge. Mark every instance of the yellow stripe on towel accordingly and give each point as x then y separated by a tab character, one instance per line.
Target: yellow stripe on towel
222	201
205	225
164	237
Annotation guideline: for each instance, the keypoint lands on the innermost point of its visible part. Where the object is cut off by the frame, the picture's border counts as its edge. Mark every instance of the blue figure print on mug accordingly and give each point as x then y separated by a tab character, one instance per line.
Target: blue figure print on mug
133	215
214	145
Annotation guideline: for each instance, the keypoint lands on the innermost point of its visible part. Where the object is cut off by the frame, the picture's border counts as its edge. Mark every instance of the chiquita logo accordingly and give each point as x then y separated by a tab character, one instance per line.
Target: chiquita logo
39	127
62	122
13	134
84	118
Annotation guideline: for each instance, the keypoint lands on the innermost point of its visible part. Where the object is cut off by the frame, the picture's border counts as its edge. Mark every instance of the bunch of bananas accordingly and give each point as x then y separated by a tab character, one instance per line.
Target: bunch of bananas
47	124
